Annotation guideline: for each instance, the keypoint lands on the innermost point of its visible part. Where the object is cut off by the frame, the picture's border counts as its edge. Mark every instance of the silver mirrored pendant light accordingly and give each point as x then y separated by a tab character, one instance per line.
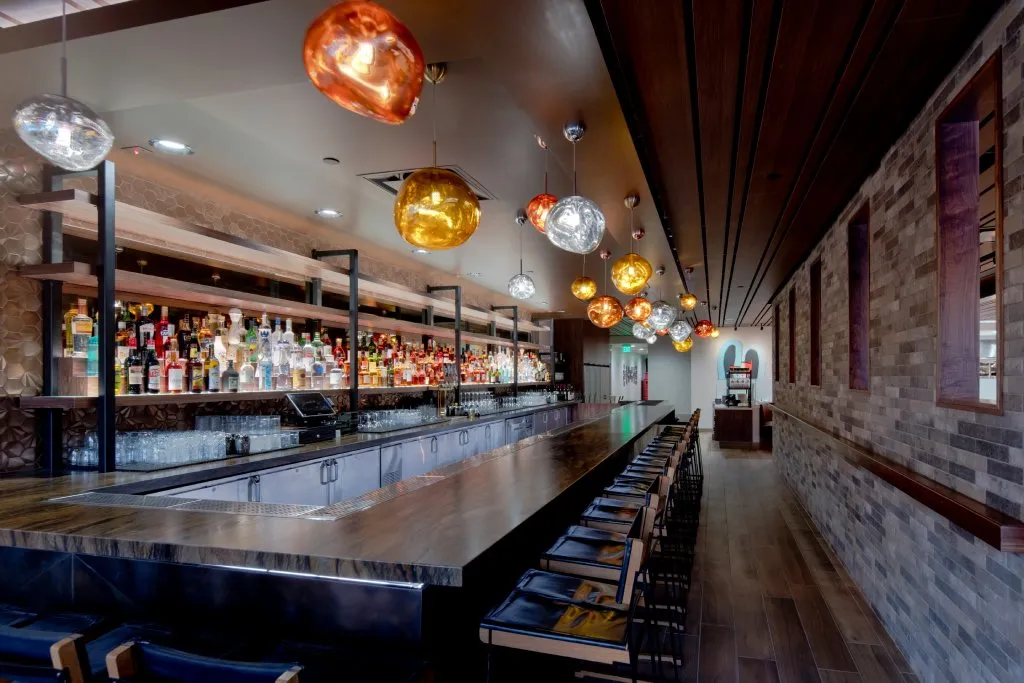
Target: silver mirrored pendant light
680	330
575	223
662	314
62	130
521	286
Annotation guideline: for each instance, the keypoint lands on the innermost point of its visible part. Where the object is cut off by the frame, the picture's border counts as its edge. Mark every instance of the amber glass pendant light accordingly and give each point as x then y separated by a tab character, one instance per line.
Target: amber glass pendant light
704	328
605	311
584	288
683	346
436	209
638	309
364	59
631	272
540	206
688	301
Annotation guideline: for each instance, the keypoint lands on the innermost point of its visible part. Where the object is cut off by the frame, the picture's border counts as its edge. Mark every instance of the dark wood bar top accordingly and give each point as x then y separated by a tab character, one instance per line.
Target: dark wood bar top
426	536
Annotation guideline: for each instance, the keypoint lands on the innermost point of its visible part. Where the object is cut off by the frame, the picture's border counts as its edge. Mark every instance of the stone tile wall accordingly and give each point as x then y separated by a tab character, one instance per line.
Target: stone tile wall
21	350
977	454
953	604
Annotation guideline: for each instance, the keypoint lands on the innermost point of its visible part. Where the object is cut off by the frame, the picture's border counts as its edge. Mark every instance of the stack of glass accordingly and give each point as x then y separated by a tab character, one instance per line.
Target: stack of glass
251	434
152	450
390	420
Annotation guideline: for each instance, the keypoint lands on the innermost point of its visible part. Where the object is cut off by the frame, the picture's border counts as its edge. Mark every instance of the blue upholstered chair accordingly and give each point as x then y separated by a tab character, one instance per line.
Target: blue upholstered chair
33	656
143	662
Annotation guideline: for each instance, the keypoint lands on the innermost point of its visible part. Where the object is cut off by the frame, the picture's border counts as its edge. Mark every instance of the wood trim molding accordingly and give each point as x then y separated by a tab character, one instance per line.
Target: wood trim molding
999	530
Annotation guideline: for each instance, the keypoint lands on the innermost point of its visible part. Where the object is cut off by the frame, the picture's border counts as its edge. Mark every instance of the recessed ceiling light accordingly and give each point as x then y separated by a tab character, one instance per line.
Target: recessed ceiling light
420	251
328	213
170	146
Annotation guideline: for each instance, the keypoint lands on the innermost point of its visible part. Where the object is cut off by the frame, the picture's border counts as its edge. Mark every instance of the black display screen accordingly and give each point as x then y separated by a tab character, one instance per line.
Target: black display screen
310	404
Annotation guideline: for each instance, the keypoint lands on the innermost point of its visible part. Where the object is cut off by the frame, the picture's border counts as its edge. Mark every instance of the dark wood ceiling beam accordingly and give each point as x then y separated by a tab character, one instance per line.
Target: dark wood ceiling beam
762	39
691	65
107	19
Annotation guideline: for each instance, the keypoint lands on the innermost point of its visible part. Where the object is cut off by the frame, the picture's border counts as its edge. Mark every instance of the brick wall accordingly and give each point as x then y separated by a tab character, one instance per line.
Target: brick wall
953	604
977	454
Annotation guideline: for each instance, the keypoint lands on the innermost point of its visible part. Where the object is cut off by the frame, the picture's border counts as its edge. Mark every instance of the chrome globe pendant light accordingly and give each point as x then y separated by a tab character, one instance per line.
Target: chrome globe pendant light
605	311
680	330
575	223
631	272
540	206
521	286
435	209
62	130
662	314
584	288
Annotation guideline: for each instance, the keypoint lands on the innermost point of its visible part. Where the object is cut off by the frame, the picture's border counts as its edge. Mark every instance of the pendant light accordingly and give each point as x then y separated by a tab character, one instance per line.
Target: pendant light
641	331
540	206
683	346
680	330
704	328
62	130
638	309
714	333
662	314
631	272
521	286
575	223
605	311
436	209
364	59
688	301
584	288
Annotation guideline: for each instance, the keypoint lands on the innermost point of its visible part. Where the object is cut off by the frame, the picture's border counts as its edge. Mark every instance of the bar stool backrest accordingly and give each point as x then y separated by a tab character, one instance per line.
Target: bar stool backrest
29	655
142	662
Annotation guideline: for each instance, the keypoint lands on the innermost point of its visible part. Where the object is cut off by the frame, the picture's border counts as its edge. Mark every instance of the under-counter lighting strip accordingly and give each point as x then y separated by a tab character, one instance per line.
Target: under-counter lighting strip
306	575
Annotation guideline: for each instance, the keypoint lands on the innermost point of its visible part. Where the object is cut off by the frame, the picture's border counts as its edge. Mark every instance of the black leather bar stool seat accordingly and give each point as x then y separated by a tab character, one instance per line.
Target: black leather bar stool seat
633	490
570	588
144	662
13	616
612	515
34	656
596	554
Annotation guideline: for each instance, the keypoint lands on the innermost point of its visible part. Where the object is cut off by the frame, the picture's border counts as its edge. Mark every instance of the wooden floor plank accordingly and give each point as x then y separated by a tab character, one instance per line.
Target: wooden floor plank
717	655
826	641
853	624
770	572
910	678
752	637
792	651
691	659
883	636
874	664
757	671
717	603
839	677
693	608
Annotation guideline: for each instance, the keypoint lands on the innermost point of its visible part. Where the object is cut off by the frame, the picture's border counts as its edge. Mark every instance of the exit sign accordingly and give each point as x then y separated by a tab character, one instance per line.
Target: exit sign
626	348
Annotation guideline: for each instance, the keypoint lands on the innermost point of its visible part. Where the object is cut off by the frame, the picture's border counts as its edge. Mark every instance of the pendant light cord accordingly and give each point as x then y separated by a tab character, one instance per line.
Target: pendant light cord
520	248
433	116
574	168
64	48
546	150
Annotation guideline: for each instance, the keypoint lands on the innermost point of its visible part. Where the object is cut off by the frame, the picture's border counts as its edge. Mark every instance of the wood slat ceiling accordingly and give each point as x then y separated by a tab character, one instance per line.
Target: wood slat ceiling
757	121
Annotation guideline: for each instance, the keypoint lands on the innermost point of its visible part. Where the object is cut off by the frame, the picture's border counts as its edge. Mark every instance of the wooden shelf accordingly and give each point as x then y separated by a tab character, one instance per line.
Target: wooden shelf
992	526
149	231
81	278
78	402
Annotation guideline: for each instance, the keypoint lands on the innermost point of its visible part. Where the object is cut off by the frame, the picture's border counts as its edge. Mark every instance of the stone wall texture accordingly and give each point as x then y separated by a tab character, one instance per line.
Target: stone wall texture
21	352
953	604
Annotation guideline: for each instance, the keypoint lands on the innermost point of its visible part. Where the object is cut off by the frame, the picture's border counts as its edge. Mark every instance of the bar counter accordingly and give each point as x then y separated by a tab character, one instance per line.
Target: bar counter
426	536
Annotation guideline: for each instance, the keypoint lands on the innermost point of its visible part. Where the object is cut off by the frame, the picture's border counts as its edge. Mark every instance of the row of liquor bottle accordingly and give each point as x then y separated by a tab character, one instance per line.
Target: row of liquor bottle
211	354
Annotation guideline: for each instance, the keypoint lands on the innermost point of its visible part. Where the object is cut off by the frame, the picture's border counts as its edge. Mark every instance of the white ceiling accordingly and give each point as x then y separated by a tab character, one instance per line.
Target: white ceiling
18	12
232	85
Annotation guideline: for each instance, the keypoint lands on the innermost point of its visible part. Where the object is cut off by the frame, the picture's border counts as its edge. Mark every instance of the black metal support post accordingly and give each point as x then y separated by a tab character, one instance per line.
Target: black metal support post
515	344
353	316
50	421
105	259
458	334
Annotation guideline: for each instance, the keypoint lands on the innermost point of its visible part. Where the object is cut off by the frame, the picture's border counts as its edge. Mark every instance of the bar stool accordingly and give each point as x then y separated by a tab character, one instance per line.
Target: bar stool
143	662
597	554
33	656
613	515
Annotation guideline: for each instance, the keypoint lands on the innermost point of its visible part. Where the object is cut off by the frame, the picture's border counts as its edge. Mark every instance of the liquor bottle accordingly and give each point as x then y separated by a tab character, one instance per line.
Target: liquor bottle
153	370
307	353
211	373
175	369
205	336
66	327
184	336
196	365
288	336
283	364
145	329
81	330
125	328
119	383
229	378
275	336
247	376
266	368
92	355
318	370
220	349
164	333
134	368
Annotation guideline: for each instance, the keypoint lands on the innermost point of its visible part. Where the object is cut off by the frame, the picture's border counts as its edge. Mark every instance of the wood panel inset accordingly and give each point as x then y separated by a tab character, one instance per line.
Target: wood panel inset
816	323
858	250
792	335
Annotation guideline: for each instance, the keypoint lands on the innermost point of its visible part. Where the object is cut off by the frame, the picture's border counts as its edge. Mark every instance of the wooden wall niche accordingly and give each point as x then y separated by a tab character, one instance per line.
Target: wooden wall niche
791	321
858	254
816	323
969	239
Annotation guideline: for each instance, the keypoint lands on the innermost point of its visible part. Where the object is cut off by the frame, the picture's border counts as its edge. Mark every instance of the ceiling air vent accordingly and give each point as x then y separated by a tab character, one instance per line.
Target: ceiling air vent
391	181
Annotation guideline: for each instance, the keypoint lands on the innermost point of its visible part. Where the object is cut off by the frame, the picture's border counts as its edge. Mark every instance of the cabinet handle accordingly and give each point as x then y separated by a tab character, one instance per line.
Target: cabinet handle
433	444
335	470
259	488
487	431
249	486
323	466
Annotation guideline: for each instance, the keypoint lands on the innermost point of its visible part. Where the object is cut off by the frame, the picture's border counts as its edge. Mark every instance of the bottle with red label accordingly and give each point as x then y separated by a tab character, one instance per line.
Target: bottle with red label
174	371
153	370
164	333
134	369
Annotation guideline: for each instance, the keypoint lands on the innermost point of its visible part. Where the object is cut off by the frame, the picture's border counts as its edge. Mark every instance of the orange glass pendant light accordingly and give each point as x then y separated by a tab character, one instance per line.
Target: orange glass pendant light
688	301
605	311
540	206
363	58
638	308
631	272
704	328
584	288
435	209
683	346
714	333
